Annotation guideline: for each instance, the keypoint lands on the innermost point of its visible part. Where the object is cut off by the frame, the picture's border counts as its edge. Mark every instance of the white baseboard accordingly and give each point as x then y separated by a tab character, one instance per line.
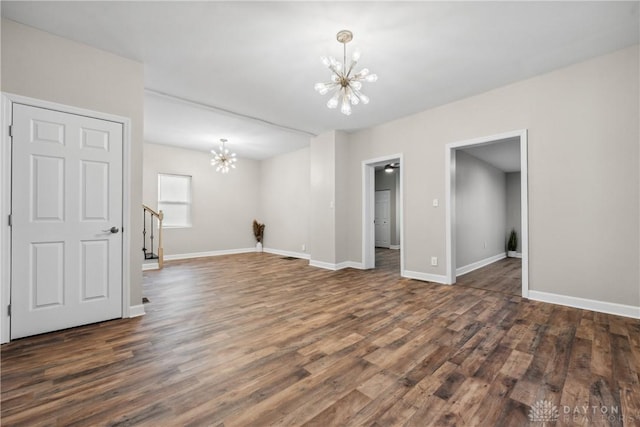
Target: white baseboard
136	310
334	267
394	247
479	264
300	255
349	264
150	266
209	253
587	304
322	264
427	277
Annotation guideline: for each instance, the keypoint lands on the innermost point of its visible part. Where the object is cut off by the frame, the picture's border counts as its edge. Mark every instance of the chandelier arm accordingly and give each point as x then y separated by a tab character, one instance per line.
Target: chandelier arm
358	94
353	64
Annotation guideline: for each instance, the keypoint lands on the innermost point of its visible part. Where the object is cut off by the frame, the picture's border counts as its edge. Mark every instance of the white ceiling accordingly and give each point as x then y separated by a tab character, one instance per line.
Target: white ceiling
246	69
502	154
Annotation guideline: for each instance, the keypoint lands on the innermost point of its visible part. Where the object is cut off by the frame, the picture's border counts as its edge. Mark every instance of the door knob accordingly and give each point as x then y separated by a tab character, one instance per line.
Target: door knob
113	229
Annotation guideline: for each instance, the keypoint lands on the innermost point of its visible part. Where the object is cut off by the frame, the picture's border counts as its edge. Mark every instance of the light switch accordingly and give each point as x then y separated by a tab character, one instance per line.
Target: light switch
435	203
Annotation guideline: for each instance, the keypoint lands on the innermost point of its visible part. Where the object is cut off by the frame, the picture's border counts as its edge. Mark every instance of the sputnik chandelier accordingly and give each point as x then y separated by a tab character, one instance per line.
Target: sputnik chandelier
223	160
345	81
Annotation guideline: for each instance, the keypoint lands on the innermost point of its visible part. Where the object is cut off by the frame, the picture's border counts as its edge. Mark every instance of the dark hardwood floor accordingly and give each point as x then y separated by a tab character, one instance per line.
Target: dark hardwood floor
501	276
388	260
257	340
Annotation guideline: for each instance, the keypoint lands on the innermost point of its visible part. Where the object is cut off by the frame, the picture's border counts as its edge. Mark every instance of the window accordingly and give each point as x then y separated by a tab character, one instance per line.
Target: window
174	199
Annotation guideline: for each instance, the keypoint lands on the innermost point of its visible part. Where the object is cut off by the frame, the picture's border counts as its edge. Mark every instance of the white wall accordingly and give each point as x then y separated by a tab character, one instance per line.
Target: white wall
514	217
583	158
224	205
43	66
481	210
284	201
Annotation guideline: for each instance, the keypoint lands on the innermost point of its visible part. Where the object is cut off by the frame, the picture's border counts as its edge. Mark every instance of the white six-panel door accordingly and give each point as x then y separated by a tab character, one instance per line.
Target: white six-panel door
383	218
66	246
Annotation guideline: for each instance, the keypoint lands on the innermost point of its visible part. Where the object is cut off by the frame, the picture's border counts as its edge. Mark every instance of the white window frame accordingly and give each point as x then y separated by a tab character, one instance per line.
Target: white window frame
187	203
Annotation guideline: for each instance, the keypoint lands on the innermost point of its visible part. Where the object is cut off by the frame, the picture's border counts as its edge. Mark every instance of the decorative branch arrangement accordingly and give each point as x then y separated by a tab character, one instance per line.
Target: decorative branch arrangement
512	243
258	231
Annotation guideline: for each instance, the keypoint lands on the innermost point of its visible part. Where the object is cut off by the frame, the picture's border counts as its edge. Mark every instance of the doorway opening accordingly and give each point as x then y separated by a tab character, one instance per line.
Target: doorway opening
382	242
487	199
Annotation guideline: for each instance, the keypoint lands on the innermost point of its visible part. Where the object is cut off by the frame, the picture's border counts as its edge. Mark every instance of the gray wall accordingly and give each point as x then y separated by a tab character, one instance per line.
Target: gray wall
390	181
481	210
514	218
322	225
223	205
43	66
329	198
284	201
341	196
583	158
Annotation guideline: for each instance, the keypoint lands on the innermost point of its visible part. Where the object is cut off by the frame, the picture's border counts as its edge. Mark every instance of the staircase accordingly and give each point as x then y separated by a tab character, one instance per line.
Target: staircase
152	222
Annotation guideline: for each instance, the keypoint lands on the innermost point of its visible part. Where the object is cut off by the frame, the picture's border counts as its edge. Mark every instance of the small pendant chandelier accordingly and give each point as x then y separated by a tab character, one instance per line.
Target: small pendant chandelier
345	81
223	160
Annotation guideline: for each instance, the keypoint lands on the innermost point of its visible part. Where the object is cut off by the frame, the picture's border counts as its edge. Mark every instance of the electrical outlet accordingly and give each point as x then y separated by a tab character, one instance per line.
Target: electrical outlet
436	203
434	261
304	247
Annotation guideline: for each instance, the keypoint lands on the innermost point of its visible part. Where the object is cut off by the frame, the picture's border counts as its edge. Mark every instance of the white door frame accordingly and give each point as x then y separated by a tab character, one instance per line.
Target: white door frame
450	182
8	100
368	209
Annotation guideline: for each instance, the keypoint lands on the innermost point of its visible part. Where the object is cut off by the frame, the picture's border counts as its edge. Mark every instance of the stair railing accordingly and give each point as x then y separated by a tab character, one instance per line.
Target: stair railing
148	239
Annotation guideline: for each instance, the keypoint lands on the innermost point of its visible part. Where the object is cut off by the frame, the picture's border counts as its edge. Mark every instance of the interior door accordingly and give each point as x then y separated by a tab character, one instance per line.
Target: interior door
66	201
383	218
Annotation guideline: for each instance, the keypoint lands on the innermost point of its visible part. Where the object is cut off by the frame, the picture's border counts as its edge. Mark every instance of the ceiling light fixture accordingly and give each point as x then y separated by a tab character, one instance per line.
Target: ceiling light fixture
346	86
391	167
224	159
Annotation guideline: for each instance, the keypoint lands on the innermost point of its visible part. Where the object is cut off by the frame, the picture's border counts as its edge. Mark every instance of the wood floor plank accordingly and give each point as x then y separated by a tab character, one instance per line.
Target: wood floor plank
341	411
493	404
255	339
503	276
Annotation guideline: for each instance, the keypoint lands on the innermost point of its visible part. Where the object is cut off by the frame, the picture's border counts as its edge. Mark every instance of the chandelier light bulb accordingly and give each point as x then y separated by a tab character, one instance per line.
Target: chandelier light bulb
321	88
345	82
362	73
346	107
333	101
